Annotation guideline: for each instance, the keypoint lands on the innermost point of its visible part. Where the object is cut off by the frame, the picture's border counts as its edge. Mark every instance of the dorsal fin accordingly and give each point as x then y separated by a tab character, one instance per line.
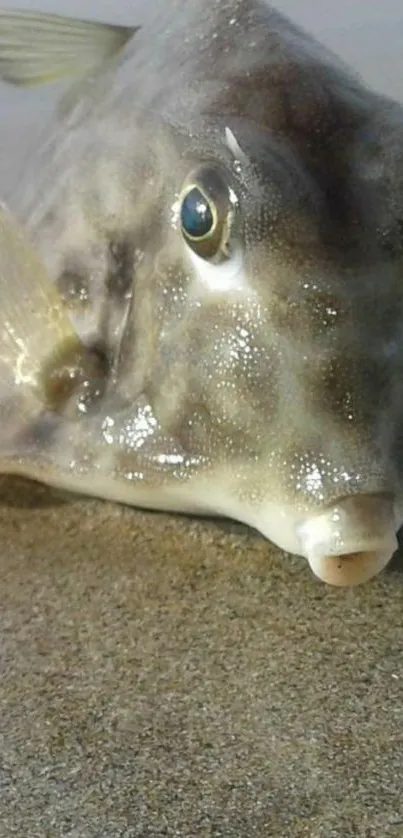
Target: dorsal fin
41	48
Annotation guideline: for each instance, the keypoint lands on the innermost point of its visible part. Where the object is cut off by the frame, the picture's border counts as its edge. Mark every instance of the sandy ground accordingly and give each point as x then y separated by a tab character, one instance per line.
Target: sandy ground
165	677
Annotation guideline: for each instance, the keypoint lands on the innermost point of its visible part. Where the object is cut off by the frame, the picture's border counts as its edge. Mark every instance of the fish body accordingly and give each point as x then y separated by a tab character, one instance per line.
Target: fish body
219	211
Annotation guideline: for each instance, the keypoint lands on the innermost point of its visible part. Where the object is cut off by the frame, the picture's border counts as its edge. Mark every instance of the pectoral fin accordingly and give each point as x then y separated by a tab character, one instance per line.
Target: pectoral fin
41	48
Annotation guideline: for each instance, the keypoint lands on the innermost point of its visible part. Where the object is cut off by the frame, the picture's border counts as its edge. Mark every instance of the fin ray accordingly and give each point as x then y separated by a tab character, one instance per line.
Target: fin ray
41	48
33	321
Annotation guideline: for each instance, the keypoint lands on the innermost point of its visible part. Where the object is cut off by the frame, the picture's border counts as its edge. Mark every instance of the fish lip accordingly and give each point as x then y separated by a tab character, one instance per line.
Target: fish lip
350	541
350	569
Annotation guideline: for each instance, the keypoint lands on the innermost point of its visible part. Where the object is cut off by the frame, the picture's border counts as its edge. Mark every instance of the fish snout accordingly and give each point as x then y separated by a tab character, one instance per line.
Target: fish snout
351	541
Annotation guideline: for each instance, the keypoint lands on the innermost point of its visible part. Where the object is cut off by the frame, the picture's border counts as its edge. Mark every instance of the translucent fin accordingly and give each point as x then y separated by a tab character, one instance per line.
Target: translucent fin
34	326
40	48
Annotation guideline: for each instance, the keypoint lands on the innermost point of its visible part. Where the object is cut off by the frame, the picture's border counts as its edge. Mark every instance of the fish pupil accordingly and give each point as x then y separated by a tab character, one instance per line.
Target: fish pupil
196	215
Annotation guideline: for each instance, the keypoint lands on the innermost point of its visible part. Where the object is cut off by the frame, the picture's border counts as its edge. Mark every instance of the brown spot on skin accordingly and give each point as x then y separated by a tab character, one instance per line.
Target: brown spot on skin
75	379
120	273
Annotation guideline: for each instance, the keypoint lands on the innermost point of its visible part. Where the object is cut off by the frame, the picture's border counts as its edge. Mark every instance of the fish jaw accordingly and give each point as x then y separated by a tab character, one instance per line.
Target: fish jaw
202	496
353	540
129	460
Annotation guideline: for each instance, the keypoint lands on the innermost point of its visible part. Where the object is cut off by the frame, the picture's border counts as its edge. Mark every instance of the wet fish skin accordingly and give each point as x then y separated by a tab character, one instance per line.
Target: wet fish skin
265	387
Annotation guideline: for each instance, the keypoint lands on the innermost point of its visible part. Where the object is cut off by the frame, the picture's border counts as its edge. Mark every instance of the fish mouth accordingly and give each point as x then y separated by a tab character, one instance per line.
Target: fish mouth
351	569
352	541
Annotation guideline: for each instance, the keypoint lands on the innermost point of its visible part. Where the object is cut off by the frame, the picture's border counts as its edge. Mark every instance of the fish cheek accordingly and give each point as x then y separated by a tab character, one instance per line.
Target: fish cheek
218	398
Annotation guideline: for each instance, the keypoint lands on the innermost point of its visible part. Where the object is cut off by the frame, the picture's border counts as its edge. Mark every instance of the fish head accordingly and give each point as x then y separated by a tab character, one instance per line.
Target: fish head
267	314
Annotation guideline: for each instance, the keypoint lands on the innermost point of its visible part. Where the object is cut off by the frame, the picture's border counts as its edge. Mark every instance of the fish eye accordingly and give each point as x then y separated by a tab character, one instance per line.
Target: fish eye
198	215
206	212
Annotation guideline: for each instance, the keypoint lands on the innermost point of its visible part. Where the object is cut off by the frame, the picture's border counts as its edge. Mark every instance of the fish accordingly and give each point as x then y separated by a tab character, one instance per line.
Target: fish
202	279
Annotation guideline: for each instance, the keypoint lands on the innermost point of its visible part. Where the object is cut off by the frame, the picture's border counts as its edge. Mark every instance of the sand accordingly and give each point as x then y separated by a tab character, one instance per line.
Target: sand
161	676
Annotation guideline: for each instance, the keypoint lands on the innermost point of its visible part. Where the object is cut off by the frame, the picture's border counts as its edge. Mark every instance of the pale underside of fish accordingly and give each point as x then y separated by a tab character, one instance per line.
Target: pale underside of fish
202	287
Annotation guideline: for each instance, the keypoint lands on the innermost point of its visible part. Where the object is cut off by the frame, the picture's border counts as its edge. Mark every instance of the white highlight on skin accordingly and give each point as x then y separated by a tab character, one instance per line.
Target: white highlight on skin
135	431
175	213
23	361
234	147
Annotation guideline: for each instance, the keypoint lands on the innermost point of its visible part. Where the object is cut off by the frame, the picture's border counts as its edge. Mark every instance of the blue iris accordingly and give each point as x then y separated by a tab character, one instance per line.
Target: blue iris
196	216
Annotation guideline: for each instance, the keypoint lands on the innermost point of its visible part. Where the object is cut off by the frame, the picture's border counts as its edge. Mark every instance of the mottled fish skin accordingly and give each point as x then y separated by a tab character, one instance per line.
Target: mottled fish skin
267	387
